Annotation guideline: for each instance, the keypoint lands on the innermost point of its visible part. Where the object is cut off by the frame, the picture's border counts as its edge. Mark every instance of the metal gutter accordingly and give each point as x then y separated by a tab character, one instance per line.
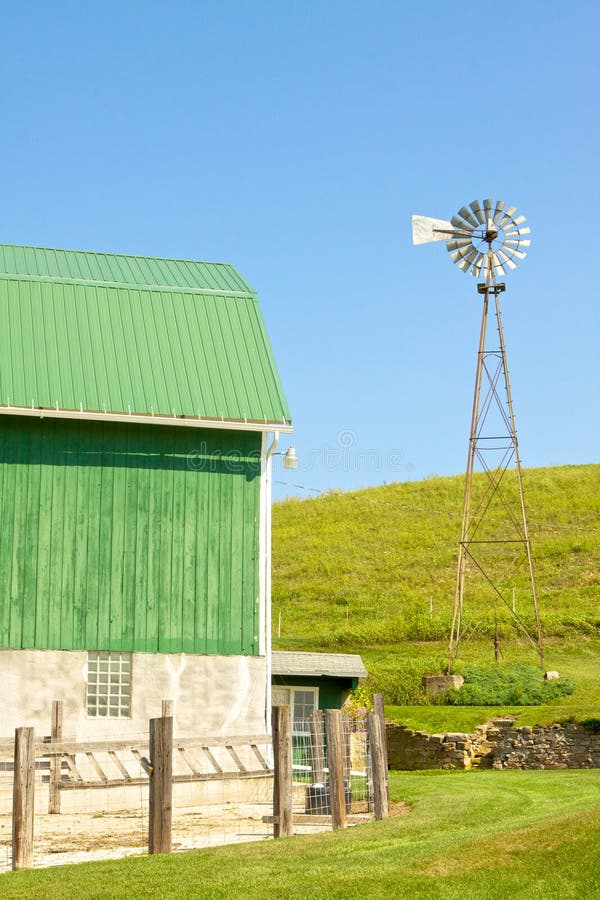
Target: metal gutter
180	421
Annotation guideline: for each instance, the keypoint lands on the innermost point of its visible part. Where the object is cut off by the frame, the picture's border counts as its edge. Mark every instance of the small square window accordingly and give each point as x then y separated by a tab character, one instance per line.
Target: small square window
301	700
109	684
304	702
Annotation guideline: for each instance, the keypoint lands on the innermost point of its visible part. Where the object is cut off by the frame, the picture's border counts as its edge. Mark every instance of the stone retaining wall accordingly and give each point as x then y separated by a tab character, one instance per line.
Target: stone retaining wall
497	744
553	747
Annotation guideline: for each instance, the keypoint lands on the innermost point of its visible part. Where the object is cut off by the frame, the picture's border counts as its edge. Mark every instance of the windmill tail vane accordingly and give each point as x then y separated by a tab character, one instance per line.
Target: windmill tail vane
487	239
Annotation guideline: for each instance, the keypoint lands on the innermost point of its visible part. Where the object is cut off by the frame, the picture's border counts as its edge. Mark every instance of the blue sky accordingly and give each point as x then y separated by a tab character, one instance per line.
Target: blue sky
295	140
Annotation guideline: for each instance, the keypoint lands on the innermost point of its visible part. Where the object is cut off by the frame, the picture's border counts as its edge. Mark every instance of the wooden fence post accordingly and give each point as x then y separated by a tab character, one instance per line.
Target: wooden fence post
167	709
161	785
282	776
317	757
56	734
378	709
378	768
23	798
335	762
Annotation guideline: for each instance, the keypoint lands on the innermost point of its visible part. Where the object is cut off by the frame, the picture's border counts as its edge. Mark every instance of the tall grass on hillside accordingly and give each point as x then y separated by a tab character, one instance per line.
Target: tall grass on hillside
378	566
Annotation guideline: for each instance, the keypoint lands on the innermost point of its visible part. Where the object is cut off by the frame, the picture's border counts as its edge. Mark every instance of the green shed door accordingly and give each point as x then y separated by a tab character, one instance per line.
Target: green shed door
128	537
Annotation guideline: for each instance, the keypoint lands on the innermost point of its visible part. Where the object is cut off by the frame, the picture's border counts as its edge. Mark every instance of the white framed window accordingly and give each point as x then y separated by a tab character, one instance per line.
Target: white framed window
109	685
301	701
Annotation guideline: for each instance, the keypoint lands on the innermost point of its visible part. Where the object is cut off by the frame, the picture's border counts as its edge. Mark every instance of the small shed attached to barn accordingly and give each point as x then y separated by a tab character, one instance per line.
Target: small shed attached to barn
308	681
136	400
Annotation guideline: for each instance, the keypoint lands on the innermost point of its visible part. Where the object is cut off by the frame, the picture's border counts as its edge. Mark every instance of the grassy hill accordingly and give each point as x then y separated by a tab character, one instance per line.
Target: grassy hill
373	572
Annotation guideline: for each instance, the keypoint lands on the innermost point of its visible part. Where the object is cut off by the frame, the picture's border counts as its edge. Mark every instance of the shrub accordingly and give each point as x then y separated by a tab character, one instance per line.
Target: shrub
589	723
507	686
592	725
403	685
356	706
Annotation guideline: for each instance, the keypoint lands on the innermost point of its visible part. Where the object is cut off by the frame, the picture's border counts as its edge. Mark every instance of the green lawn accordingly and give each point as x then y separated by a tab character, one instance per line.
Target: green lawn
477	835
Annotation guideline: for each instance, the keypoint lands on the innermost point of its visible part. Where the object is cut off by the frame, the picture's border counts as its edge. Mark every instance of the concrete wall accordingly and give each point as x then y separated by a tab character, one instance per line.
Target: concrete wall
213	695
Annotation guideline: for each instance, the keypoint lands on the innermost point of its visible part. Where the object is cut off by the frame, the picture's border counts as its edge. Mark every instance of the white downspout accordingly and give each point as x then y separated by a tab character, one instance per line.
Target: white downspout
267	572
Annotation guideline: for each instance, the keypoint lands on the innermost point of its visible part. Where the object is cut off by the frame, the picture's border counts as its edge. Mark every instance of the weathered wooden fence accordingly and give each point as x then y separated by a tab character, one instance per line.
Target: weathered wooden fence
162	761
157	763
335	797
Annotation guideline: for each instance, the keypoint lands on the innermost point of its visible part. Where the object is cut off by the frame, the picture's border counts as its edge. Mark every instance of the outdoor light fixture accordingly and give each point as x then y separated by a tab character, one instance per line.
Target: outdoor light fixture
290	460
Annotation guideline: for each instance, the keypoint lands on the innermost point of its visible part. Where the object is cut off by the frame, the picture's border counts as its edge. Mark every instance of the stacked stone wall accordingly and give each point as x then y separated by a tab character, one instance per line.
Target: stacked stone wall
419	750
543	747
497	744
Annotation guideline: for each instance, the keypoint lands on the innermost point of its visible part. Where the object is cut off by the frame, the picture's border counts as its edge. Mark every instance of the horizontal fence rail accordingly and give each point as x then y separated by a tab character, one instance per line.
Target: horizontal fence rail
83	768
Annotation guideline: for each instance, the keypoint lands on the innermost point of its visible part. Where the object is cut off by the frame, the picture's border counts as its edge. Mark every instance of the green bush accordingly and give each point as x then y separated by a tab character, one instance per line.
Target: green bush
590	723
403	685
507	686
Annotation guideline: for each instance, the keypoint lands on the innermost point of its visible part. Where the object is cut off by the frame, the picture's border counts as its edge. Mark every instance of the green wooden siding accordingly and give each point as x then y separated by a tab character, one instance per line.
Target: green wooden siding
332	691
127	537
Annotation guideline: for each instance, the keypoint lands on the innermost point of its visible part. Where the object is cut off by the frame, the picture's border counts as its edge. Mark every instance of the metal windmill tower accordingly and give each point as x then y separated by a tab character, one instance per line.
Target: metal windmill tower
484	240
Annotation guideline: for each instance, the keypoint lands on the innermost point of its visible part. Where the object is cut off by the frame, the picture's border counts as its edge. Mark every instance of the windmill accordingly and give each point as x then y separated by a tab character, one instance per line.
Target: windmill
485	240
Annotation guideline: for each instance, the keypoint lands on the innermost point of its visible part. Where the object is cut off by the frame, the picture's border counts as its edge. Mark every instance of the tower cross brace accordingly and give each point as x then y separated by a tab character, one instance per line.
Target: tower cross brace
491	375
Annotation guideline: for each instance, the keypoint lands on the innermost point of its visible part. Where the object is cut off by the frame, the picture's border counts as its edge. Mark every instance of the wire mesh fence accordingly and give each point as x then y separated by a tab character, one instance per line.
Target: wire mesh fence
310	766
221	793
222	790
101	816
93	800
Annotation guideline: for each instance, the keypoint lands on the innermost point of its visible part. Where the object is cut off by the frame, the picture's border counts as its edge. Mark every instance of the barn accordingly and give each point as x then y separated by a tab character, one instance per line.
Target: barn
140	406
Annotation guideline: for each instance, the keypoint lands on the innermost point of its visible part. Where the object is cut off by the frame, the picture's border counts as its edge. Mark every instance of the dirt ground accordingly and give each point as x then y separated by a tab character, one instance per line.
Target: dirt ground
83	837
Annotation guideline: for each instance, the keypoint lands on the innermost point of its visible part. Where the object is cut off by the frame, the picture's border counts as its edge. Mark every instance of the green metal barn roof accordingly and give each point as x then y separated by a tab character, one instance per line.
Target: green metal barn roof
100	334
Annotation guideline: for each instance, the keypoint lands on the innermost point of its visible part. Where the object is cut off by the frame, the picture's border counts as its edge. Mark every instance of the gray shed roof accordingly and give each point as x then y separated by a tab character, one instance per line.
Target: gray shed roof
336	665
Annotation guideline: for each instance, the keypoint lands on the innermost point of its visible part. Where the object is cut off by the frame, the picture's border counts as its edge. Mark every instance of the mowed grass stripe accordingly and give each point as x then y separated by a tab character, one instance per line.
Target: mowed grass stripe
482	835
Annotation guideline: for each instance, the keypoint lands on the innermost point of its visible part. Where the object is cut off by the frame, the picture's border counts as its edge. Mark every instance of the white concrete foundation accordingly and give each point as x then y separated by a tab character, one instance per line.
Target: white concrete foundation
212	695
